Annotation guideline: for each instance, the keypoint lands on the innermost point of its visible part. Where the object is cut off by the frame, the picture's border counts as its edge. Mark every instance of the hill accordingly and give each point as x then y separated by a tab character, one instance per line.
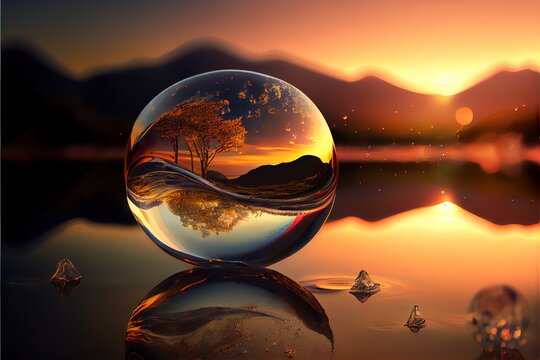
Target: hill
282	180
39	99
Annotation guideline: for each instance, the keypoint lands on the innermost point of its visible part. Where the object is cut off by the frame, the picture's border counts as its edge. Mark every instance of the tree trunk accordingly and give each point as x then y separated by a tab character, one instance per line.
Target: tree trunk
203	169
191	155
175	147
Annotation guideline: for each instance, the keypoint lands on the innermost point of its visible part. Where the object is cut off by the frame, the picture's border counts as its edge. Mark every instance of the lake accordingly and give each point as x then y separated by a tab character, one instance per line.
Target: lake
432	235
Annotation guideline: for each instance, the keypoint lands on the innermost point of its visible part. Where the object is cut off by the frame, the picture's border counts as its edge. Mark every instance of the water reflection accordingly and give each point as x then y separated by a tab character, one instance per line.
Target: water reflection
207	212
227	312
194	221
65	289
499	318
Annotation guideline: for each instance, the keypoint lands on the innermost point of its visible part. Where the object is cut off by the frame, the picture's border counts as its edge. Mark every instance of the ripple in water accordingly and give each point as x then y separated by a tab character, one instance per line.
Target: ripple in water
330	284
231	165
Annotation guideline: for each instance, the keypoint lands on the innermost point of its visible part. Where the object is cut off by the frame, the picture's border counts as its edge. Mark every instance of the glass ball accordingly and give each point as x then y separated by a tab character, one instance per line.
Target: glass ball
498	318
231	165
229	313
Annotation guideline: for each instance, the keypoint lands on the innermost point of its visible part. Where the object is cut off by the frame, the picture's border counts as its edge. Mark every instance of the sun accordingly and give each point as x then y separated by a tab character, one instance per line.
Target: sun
464	116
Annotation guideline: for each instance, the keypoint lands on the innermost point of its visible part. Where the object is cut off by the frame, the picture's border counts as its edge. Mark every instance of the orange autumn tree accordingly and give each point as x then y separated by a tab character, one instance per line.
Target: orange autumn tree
201	125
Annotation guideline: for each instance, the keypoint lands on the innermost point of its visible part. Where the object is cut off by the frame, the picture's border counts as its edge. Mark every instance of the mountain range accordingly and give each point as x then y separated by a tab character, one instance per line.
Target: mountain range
293	178
45	106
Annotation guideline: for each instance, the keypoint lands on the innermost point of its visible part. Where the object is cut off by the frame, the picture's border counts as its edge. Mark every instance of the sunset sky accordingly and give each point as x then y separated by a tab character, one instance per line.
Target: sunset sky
281	124
427	46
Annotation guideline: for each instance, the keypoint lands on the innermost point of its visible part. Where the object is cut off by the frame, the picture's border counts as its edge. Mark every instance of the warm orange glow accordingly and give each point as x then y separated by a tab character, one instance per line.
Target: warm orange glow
427	46
233	164
427	245
464	116
492	156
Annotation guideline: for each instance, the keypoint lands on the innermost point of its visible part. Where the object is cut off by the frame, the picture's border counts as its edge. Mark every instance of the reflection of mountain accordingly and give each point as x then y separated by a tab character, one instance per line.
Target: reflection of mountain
301	175
257	309
101	107
77	190
374	191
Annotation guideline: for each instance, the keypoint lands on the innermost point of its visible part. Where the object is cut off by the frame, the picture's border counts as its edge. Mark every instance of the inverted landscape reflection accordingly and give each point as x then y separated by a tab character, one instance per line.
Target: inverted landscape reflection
229	312
440	269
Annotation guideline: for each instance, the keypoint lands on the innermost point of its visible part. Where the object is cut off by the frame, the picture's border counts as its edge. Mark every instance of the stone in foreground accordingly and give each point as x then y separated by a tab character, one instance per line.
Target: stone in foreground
364	284
66	277
415	321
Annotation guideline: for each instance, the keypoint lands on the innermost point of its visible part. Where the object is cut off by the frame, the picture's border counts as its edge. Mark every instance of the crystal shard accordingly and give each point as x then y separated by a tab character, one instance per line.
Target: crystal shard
66	277
364	284
415	321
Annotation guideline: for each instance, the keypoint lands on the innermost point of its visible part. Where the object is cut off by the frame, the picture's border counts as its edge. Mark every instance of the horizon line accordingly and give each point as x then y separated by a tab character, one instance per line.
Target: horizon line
272	55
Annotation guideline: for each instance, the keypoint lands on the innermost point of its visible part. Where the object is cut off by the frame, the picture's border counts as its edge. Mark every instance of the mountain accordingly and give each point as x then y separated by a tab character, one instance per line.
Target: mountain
44	105
303	168
503	91
288	179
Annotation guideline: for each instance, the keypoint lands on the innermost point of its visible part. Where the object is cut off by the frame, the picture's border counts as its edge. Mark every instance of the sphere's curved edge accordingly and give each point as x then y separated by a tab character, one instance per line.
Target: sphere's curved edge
264	197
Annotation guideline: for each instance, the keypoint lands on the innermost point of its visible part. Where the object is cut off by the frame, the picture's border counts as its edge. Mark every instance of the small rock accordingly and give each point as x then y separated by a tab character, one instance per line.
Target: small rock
66	277
364	287
415	321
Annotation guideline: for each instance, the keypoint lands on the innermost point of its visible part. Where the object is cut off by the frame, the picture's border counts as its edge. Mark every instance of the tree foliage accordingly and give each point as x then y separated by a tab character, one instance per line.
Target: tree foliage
201	125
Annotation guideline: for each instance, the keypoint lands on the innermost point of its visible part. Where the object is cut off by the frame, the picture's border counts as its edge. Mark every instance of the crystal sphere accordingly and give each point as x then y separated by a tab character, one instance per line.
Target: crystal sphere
498	318
231	165
229	313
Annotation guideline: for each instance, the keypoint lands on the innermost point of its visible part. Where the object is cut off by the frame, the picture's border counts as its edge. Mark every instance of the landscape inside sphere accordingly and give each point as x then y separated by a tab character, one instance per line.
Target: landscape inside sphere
231	165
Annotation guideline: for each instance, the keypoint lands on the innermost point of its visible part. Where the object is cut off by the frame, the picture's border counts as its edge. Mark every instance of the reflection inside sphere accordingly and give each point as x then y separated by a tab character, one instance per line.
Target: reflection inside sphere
228	312
499	318
231	165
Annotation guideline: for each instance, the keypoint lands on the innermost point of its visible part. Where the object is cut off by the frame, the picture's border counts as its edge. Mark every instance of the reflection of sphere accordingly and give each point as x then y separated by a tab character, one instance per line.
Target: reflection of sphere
464	116
229	313
231	165
499	318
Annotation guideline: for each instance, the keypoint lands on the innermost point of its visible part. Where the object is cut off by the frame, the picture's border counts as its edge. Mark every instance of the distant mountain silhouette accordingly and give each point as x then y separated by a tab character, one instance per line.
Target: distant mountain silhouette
303	168
43	106
39	98
286	179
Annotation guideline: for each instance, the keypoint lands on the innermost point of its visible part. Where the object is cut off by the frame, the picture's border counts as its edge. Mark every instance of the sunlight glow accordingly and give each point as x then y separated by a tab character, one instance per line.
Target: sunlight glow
464	116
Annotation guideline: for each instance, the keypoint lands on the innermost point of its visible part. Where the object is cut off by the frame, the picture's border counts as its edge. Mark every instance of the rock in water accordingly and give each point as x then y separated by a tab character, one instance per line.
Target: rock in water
363	287
66	277
364	284
415	321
